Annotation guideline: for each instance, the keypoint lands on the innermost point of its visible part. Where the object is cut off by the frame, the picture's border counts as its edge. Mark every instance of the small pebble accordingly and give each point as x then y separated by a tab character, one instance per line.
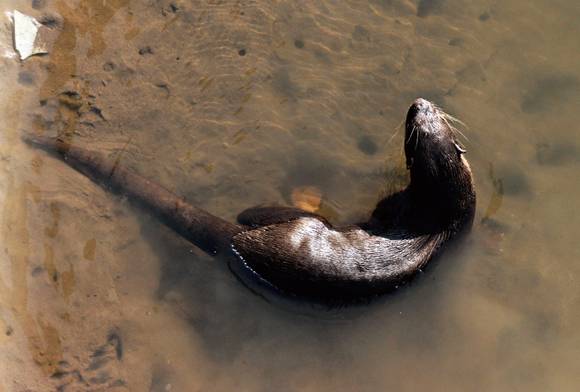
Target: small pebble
145	50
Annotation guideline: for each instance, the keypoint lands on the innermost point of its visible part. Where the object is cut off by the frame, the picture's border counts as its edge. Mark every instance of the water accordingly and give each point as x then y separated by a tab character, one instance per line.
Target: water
234	104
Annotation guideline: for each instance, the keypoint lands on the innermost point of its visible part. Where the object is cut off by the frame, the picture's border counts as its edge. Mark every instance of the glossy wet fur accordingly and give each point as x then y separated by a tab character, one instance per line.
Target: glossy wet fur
441	187
308	257
300	253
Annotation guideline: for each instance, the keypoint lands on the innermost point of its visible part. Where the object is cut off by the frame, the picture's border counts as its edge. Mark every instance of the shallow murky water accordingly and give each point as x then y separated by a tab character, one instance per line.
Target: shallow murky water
233	104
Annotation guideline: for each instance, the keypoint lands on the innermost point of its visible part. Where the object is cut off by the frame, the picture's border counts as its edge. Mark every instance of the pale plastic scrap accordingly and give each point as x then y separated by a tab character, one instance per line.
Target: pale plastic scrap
25	35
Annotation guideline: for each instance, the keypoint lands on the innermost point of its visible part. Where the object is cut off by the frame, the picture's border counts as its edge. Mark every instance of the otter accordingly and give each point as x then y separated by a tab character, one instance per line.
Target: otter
299	253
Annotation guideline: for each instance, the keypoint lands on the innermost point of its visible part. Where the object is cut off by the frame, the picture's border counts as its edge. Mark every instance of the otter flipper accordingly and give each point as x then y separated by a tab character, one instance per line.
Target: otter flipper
264	216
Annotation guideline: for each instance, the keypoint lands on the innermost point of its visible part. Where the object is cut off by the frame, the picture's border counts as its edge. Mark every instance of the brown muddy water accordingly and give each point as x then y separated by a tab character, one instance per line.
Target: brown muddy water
237	103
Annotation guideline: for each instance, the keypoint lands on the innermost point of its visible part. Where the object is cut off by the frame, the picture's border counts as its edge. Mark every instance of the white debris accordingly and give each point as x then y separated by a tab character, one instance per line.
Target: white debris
26	40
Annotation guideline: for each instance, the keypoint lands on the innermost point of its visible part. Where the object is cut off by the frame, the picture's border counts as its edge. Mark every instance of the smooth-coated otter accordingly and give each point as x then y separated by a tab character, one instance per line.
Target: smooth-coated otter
300	253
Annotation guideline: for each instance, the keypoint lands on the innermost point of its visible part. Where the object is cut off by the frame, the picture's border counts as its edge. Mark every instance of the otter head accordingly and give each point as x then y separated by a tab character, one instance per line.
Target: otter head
431	147
441	184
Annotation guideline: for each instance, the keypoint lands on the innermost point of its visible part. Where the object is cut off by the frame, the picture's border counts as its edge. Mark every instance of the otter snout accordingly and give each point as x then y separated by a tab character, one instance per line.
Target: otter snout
421	118
421	103
424	127
421	107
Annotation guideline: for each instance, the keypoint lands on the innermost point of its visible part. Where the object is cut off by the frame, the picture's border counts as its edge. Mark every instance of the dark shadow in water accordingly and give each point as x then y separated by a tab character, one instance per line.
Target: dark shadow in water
160	379
227	316
515	181
367	145
224	313
550	92
224	325
429	7
311	167
556	153
284	84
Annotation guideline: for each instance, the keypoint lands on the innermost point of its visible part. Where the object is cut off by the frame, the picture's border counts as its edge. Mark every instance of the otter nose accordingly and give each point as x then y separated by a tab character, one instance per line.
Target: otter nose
421	104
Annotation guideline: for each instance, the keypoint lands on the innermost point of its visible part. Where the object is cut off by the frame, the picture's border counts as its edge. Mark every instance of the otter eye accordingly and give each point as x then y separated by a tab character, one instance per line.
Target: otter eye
460	149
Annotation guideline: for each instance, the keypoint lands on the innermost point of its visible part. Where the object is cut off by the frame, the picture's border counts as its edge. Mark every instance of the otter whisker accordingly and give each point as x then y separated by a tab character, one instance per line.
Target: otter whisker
454	119
397	130
411	134
448	117
416	140
452	127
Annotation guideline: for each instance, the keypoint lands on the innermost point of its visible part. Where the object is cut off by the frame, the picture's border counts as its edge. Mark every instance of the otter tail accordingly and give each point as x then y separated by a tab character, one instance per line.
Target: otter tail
210	233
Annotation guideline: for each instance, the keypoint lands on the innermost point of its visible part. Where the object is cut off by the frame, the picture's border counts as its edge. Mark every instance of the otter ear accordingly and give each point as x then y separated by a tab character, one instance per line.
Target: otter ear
460	149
